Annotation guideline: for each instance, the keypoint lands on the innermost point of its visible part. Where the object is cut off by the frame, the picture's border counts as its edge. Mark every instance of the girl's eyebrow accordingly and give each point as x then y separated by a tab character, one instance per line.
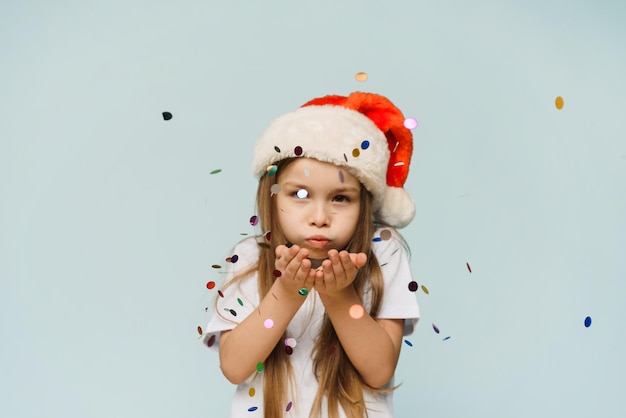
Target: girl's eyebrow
341	189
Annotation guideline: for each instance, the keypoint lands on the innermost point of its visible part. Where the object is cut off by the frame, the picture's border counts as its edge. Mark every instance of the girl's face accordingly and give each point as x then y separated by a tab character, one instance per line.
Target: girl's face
318	205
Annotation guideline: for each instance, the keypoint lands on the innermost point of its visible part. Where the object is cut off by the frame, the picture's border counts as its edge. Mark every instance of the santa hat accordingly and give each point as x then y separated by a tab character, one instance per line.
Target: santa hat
363	132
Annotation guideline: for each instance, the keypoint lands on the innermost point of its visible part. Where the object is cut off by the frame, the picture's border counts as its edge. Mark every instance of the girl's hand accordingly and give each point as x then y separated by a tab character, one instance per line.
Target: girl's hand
338	272
295	269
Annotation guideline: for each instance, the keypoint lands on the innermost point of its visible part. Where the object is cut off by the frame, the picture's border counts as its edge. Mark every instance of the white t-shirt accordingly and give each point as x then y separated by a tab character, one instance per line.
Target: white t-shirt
242	298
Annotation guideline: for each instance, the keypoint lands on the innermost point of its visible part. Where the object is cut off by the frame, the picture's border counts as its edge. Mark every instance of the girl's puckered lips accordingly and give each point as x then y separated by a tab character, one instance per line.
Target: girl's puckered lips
318	241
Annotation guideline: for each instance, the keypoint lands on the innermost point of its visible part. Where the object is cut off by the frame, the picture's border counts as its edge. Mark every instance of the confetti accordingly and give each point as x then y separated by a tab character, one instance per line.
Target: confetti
558	102
356	311
447	338
356	152
341	178
302	194
365	144
468	267
306	171
251	392
210	285
216	266
331	349
377	239
289	405
435	328
298	150
219	292
211	341
276	149
271	170
268	235
385	234
233	258
252	409
303	291
268	323
200	330
425	289
413	286
254	220
277	273
239	301
588	322
291	342
259	367
345	157
167	115
409	343
288	350
361	76
275	189
398	164
410	123
232	311
219	170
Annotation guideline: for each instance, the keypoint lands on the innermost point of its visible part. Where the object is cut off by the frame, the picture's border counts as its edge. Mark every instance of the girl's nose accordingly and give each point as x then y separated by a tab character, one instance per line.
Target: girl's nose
319	215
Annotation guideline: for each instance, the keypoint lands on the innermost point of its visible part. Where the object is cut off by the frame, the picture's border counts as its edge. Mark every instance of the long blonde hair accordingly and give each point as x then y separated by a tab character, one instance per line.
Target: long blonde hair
338	379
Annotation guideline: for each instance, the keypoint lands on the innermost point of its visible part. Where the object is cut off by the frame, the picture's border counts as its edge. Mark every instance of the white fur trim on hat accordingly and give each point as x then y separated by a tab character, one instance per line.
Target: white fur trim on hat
398	208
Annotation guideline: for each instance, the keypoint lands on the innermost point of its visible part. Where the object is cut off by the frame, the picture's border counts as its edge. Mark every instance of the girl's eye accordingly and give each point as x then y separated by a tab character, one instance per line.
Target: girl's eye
341	199
302	194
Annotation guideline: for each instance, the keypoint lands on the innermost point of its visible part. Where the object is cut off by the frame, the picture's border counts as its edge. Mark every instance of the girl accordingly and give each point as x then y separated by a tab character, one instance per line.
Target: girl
311	319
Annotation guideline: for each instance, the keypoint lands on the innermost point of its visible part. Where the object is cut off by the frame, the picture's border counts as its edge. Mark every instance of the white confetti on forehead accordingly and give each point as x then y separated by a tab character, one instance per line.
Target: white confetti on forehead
306	171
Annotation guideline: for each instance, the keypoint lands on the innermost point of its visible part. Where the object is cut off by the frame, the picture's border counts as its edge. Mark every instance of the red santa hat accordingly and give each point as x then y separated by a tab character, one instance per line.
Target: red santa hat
363	132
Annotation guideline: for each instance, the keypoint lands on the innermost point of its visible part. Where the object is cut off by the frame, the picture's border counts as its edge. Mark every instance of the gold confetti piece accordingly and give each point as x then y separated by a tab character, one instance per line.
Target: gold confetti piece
252	392
200	330
361	76
558	102
425	289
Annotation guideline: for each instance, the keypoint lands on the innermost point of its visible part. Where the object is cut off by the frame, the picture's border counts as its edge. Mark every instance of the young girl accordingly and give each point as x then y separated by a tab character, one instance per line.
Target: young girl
311	319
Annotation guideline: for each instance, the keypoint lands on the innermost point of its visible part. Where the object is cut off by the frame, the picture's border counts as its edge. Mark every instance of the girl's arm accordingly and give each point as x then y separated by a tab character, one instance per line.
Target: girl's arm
372	345
252	341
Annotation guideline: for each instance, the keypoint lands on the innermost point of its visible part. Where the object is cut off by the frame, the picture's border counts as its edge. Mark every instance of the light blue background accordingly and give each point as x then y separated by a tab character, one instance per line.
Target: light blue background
110	219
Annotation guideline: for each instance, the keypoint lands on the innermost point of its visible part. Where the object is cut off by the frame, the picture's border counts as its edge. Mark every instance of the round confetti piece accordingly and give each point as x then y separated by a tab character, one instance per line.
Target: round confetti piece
291	342
219	292
289	405
588	321
365	144
276	149
200	330
271	170
341	178
259	367
298	150
558	102
302	194
239	301
409	343
413	286
234	258
268	235
410	123
275	189
360	76
167	115
216	266
211	341
277	273
385	234
210	285
251	392
356	152
268	323
254	220
219	170
252	408
303	291
377	239
435	328
446	339
356	311
425	289
288	350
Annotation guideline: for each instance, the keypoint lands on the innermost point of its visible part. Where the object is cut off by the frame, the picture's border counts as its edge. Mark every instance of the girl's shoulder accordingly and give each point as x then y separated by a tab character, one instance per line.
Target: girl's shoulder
388	240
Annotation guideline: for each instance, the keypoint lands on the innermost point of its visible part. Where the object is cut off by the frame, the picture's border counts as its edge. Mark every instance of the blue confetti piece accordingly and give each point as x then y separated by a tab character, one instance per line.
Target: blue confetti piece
435	328
377	239
252	409
588	322
409	343
365	144
447	338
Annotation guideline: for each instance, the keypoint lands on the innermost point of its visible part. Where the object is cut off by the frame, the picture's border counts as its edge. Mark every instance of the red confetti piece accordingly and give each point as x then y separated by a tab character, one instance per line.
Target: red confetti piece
288	350
268	235
210	285
468	267
211	341
277	273
331	349
413	286
254	220
298	150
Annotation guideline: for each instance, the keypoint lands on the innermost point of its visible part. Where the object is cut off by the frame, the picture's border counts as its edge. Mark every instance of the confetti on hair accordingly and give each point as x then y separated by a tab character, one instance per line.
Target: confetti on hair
219	170
588	321
271	170
360	76
358	402
276	148
254	220
167	115
251	392
200	330
275	189
365	144
558	102
356	311
435	328
268	323
259	366
331	349
219	292
468	267
410	123
413	286
356	152
211	341
210	285
289	405
409	343
425	289
252	408
268	235
298	150
341	178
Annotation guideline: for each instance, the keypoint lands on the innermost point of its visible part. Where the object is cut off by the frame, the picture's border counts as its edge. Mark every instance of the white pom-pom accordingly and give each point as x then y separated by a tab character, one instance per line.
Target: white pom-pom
397	208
